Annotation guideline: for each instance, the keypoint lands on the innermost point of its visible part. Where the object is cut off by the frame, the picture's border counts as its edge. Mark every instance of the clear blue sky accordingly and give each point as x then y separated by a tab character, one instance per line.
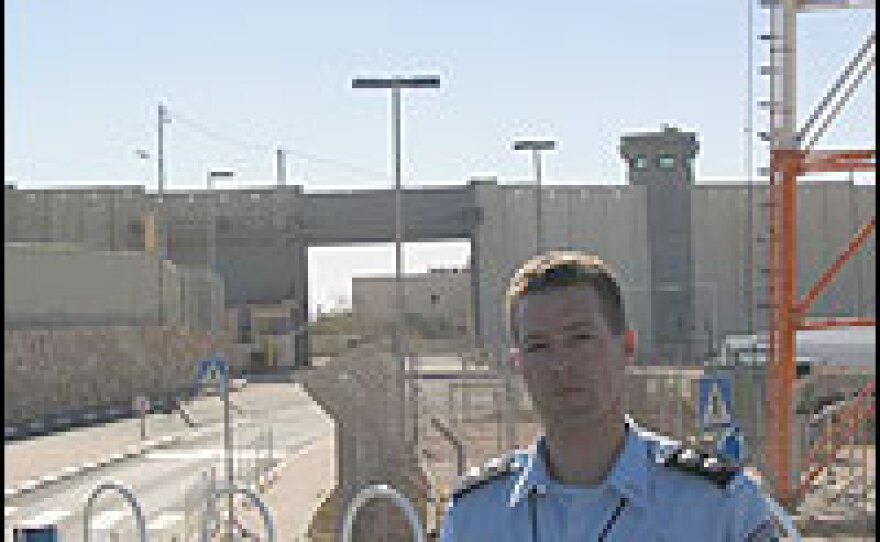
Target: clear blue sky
83	80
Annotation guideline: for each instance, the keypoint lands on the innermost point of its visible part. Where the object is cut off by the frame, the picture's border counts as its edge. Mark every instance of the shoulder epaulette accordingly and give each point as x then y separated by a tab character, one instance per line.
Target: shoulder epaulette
482	475
717	470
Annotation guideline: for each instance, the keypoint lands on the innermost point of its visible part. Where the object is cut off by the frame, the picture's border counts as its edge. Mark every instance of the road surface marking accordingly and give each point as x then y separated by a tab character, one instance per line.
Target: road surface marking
48	517
9	511
211	453
165	519
108	519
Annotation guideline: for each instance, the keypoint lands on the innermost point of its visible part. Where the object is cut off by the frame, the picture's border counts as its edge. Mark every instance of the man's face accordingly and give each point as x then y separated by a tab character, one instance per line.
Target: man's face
573	365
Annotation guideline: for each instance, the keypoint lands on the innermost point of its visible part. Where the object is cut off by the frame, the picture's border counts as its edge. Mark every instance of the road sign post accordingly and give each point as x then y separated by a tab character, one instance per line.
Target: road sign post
142	406
214	373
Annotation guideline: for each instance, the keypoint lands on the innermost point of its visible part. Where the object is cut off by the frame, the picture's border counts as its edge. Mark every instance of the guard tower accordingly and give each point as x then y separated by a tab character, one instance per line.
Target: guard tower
662	162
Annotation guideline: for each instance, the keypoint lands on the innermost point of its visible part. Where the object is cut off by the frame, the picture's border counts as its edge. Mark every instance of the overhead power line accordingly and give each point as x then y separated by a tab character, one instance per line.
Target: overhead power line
218	135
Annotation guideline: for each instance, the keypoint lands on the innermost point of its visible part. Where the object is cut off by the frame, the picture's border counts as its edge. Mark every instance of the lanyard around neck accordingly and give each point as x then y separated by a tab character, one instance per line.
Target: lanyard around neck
533	515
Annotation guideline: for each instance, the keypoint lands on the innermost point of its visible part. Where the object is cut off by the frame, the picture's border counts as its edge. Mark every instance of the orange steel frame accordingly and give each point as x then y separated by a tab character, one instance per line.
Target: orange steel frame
787	311
854	415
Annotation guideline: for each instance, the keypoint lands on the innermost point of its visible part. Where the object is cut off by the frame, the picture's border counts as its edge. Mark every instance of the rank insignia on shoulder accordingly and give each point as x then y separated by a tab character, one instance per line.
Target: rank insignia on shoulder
714	469
480	476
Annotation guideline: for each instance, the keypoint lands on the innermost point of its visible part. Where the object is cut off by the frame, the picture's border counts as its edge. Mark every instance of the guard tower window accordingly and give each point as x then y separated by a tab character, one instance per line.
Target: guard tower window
435	299
224	224
640	162
666	161
136	227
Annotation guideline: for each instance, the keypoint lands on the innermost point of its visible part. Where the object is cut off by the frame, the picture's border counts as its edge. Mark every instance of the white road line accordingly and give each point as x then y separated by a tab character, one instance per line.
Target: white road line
49	479
210	453
108	519
9	511
29	485
68	471
165	519
48	517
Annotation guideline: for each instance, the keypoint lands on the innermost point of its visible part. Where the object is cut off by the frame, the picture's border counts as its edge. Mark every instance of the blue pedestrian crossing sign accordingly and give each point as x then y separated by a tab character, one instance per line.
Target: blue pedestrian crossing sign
213	374
732	446
716	403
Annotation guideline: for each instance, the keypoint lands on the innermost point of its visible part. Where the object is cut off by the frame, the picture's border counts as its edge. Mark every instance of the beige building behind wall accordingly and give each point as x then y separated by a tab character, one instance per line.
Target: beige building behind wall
437	303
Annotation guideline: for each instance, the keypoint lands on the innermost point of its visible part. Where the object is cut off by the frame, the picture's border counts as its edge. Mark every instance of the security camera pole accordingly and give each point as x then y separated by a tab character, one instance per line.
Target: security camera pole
395	84
536	146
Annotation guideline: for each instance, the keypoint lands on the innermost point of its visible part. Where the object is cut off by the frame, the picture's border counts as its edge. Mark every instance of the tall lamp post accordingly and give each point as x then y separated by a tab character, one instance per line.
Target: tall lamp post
536	146
212	235
212	265
395	85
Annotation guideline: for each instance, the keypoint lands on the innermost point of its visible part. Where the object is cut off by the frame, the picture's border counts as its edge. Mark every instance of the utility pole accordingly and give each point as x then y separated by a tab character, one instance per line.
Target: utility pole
160	155
280	173
159	223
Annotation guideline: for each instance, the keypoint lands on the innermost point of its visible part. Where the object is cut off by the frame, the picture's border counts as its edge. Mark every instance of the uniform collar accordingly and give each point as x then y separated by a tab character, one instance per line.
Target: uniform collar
628	476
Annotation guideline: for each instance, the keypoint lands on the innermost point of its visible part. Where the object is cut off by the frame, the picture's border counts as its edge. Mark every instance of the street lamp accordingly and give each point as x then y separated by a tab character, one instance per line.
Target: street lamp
212	237
395	84
212	263
536	146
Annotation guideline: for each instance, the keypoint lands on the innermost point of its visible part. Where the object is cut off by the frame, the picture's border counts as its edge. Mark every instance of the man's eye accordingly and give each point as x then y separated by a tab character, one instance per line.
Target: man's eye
535	347
583	337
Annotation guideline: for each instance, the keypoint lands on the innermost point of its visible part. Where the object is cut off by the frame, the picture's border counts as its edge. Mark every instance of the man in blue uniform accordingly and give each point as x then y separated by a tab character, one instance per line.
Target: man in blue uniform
594	474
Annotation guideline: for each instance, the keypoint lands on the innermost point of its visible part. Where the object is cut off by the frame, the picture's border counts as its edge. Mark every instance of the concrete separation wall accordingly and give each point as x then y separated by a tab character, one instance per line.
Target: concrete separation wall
57	285
49	372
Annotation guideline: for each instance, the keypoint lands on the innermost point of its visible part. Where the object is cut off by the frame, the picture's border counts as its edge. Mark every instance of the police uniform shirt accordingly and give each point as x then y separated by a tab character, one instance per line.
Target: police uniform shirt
656	491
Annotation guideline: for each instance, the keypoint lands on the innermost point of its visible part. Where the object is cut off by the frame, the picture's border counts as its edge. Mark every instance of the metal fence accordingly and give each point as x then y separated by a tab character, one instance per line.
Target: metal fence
253	461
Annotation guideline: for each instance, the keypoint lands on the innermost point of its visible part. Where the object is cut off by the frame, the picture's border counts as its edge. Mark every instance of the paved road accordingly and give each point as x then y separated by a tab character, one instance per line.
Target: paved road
160	477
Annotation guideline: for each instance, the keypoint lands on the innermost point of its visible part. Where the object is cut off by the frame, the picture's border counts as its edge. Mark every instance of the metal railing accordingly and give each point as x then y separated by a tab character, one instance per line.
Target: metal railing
255	459
127	494
382	491
837	440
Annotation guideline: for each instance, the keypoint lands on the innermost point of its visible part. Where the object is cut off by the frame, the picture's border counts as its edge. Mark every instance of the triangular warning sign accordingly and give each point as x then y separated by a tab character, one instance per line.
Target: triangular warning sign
716	412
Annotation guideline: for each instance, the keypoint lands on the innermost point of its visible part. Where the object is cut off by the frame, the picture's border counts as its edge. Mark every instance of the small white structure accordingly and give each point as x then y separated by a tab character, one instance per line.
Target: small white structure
856	346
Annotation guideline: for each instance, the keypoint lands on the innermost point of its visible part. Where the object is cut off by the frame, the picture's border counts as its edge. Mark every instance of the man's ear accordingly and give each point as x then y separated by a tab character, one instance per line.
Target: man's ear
630	342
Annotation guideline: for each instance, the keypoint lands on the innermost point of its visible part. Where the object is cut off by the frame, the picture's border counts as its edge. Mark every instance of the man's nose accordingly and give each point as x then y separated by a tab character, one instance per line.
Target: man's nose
563	361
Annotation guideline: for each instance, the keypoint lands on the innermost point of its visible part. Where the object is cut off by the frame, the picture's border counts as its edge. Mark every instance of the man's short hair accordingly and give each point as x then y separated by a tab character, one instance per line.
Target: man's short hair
562	269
